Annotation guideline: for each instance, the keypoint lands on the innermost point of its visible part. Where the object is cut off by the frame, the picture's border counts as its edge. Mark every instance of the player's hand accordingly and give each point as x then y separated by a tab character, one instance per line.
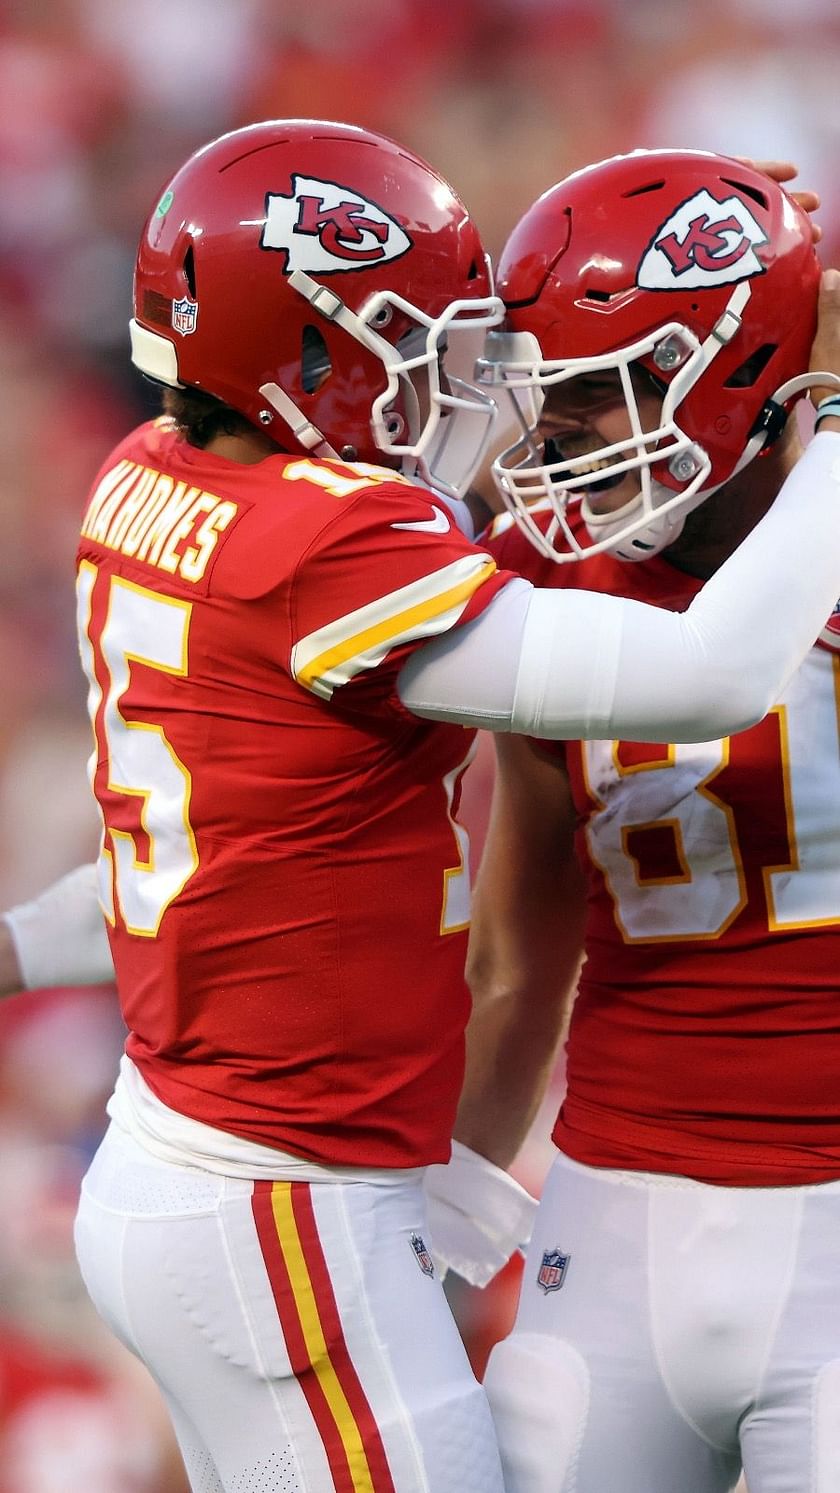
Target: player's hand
59	937
785	171
825	350
477	1216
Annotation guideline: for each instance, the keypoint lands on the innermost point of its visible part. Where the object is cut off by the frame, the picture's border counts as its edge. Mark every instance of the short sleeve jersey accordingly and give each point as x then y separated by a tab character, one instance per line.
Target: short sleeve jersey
282	867
705	1038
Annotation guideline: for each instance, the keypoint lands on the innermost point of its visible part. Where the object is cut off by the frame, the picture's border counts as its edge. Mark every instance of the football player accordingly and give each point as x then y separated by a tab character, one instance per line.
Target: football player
288	641
678	1315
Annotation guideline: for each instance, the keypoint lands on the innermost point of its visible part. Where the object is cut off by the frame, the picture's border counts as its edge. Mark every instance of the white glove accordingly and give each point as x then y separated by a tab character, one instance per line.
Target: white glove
477	1216
59	936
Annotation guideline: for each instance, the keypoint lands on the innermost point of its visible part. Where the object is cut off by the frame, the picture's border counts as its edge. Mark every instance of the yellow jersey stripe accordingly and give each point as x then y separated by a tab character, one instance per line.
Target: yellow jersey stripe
360	650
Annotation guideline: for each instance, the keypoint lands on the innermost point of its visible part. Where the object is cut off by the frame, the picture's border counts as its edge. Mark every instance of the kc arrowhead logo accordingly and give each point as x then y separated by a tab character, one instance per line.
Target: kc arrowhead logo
705	243
323	228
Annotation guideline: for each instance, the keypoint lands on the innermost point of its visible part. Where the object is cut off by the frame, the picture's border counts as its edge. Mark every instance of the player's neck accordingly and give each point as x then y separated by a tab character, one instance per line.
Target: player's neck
246	447
719	525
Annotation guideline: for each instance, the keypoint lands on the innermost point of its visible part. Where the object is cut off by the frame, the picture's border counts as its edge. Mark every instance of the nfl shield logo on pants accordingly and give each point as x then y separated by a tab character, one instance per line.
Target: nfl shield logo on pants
422	1254
552	1271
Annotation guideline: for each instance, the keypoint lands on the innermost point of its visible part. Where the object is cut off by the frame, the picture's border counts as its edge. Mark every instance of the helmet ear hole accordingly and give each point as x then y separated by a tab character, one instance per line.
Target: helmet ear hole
315	362
189	270
751	369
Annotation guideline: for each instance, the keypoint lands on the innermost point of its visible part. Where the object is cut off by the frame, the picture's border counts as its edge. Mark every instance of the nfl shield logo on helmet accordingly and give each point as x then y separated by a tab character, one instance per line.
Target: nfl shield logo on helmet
552	1271
184	315
423	1257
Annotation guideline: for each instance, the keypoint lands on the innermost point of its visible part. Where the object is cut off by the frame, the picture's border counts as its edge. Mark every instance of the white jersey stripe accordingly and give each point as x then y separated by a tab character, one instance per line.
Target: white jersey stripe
332	655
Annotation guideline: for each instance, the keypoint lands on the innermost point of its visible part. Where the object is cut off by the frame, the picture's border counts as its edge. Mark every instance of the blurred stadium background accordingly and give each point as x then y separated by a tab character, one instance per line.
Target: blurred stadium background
99	101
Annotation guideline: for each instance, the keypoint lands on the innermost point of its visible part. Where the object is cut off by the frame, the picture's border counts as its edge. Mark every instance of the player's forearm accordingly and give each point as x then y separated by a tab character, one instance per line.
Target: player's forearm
522	977
512	1046
524	951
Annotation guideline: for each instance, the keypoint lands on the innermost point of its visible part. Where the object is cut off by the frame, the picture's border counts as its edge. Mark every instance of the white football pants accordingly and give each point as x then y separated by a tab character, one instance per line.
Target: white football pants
299	1342
668	1330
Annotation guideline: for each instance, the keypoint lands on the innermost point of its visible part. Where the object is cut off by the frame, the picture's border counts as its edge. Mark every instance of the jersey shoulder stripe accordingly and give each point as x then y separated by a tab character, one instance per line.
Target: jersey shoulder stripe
332	655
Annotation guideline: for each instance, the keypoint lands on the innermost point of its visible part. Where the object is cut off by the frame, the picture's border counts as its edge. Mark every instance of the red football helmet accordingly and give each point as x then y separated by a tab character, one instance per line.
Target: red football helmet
311	275
688	273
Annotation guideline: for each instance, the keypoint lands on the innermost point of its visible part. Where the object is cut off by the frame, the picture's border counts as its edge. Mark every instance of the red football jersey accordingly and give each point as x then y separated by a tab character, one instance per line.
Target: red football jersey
705	1038
281	864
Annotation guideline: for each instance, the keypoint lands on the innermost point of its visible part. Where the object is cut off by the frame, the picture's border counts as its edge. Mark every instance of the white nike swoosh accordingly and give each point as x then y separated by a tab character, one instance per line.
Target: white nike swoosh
440	524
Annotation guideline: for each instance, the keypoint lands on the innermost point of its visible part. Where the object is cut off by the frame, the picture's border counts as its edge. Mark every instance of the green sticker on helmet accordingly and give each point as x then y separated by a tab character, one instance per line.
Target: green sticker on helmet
165	203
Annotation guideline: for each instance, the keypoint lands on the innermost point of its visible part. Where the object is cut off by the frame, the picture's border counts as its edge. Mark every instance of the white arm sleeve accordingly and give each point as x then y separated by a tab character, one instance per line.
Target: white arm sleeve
578	664
59	937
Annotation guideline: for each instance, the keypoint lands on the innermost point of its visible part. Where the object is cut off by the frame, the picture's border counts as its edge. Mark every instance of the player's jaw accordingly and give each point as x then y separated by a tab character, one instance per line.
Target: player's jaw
582	419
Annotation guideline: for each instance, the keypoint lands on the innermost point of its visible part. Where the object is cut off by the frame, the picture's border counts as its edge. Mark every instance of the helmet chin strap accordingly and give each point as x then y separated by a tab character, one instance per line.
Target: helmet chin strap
805	381
661	529
307	434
